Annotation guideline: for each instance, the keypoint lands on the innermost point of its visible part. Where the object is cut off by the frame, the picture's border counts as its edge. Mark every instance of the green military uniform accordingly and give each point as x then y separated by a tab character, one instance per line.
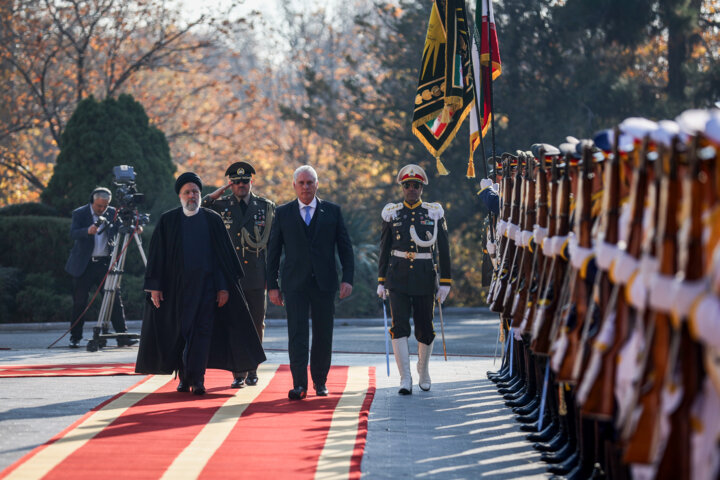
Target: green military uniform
249	227
248	221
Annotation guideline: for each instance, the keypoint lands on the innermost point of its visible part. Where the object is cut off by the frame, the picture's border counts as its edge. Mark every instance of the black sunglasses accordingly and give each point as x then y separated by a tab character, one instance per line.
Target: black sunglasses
415	185
238	181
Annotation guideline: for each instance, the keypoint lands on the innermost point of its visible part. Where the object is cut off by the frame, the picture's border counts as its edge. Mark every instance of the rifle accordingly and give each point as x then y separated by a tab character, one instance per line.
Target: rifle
525	270
597	398
686	358
543	321
540	232
507	186
644	441
578	296
514	269
510	247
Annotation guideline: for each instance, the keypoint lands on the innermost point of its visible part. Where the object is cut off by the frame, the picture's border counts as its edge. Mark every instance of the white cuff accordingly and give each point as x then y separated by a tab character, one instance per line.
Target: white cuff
660	292
605	253
625	265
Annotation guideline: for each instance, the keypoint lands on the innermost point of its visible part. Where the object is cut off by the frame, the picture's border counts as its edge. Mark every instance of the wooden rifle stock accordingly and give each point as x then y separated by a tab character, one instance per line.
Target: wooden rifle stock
539	258
686	361
507	185
579	298
642	445
510	247
600	403
524	276
542	341
512	282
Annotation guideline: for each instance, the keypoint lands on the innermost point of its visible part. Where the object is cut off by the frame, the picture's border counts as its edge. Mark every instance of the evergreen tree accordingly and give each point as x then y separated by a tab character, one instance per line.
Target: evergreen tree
101	135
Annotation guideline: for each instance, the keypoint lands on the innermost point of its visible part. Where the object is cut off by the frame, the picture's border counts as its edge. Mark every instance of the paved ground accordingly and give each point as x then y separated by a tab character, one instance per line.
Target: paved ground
460	429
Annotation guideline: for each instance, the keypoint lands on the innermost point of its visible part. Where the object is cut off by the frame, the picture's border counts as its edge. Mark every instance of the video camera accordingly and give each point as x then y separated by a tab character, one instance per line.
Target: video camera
128	198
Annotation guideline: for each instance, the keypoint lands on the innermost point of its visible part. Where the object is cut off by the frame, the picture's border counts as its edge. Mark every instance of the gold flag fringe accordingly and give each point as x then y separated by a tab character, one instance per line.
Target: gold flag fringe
471	169
440	167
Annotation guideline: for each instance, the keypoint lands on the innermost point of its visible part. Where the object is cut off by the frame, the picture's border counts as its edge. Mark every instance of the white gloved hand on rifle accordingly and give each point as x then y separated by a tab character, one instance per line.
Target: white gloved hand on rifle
381	292
442	293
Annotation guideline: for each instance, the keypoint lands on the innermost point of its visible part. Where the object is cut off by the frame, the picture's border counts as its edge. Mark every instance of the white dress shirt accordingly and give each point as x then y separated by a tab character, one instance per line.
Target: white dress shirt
101	240
312	205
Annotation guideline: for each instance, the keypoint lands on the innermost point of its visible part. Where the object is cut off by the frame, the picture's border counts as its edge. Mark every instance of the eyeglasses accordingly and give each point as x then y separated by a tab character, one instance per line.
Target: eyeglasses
415	185
238	181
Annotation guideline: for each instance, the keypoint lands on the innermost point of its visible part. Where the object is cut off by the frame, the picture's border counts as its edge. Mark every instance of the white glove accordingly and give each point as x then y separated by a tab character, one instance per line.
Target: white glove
442	293
381	292
496	187
485	183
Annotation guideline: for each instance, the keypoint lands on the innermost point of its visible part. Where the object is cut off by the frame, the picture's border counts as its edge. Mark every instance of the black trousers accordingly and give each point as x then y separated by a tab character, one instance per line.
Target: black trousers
310	302
83	285
421	307
196	320
257	303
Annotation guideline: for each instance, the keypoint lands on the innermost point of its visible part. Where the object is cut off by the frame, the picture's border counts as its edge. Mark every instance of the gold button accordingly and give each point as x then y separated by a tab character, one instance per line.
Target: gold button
413	213
411	266
238	234
246	261
237	248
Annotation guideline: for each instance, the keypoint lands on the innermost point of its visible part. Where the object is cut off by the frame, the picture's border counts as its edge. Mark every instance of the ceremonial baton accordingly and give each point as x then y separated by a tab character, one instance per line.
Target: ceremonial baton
387	339
442	326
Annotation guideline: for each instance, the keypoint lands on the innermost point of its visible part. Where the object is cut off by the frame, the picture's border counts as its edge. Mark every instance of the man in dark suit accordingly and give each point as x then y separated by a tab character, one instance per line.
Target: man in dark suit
309	230
93	227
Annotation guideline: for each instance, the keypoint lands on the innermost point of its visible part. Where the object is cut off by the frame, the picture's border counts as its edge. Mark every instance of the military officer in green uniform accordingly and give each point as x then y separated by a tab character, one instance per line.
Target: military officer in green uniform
413	249
248	219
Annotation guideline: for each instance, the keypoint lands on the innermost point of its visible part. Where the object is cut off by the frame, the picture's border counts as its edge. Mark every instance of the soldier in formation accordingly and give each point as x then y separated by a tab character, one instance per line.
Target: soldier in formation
606	256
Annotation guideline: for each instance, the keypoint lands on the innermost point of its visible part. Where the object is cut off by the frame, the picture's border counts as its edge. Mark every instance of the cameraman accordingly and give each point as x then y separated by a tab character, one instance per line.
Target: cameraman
92	229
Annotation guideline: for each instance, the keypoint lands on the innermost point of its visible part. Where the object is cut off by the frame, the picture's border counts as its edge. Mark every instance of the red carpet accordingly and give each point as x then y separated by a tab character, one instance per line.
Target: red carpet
67	370
152	431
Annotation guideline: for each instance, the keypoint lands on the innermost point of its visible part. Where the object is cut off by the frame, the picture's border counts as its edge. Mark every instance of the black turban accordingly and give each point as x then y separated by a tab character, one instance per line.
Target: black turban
187	177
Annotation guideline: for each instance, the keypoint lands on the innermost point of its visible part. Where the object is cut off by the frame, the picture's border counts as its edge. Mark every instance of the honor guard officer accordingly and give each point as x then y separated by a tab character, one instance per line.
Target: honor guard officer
414	237
248	219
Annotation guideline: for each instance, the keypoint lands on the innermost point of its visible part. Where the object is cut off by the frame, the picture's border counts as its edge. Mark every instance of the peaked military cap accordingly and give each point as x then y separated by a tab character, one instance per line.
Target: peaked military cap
240	170
550	150
412	172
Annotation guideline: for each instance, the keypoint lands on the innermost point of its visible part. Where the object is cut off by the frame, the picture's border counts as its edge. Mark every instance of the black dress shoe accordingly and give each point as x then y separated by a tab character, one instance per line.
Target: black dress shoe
183	387
74	343
553	445
238	383
559	456
198	389
297	393
321	390
548	433
251	379
567	466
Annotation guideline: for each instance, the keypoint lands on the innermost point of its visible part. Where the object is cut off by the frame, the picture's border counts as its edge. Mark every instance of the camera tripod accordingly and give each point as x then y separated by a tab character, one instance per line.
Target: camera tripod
112	287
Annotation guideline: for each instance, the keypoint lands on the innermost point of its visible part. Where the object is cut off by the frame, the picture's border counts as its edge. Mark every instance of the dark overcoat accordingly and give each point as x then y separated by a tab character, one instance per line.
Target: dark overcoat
235	345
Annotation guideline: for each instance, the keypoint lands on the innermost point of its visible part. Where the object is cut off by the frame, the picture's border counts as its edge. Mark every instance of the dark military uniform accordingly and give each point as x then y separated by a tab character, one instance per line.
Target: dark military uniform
407	270
249	228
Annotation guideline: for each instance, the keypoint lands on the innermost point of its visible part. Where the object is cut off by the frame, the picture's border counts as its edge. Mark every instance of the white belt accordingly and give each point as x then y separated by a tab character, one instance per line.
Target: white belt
412	255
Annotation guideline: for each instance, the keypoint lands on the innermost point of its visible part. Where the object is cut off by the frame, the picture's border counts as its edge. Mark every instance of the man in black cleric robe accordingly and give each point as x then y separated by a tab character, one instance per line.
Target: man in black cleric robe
195	316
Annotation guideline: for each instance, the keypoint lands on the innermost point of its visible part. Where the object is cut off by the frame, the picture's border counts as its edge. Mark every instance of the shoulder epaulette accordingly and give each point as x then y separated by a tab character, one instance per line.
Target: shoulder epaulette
435	211
390	212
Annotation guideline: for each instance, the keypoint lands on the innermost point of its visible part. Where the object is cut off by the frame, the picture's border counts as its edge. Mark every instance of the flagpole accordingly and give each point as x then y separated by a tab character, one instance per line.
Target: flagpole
477	110
490	87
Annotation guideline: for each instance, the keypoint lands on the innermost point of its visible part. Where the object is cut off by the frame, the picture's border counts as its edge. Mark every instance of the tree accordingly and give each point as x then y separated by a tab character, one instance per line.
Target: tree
56	53
101	135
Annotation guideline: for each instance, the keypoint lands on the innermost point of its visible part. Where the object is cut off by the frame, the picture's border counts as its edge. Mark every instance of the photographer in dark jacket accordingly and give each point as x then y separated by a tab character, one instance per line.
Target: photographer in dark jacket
93	228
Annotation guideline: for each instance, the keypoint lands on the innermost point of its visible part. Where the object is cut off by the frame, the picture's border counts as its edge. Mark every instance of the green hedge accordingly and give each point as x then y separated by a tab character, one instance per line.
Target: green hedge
34	286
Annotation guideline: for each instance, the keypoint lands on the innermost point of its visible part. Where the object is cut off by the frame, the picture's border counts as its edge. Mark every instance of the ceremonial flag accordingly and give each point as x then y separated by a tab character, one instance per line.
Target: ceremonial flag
485	71
445	93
